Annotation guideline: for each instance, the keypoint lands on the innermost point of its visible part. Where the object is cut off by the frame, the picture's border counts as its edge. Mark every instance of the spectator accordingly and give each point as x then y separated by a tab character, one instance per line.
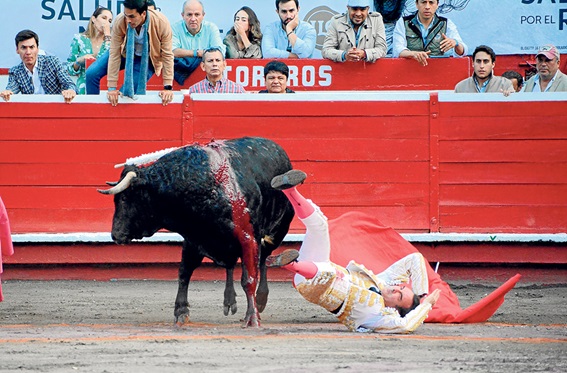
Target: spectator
483	79
91	44
37	74
548	78
152	5
213	65
138	46
276	74
192	35
424	34
516	79
289	37
355	36
244	38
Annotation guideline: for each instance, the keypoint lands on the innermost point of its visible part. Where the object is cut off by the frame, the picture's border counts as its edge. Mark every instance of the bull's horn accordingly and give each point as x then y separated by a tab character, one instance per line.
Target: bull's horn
121	186
112	183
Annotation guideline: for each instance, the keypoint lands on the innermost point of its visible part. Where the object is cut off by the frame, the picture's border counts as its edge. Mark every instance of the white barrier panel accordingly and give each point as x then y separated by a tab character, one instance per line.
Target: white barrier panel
509	26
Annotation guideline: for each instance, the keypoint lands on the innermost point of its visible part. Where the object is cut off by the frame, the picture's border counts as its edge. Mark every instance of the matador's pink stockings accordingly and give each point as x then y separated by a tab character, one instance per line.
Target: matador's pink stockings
303	208
300	204
305	269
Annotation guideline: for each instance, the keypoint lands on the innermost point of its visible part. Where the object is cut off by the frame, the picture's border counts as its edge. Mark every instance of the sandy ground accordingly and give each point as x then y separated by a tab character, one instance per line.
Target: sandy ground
127	326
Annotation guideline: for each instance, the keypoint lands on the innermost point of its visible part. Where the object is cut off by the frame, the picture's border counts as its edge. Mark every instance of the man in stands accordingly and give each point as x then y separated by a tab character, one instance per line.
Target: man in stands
140	48
516	78
192	35
424	34
355	36
213	65
483	79
276	74
548	78
361	300
289	37
37	74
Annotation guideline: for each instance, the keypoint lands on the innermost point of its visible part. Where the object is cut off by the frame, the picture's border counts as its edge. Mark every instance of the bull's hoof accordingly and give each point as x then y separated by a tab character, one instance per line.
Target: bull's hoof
232	308
252	321
182	319
181	316
261	301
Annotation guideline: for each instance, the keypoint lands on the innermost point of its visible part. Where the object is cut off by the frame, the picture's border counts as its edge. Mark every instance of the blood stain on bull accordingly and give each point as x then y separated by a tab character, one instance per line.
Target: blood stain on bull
219	199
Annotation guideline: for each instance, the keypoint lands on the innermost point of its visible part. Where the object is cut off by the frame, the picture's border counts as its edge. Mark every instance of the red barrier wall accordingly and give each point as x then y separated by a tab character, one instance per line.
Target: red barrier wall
420	161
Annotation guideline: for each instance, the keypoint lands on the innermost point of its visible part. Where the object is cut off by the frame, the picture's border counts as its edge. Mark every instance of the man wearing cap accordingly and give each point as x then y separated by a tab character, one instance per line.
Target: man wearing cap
483	79
548	78
355	36
424	34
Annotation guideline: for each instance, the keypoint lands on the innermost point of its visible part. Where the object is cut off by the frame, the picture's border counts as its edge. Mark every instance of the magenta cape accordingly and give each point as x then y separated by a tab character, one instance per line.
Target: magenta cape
6	247
362	238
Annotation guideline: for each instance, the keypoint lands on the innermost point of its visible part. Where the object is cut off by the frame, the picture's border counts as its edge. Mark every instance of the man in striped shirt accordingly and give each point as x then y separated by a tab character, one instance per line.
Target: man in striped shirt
213	64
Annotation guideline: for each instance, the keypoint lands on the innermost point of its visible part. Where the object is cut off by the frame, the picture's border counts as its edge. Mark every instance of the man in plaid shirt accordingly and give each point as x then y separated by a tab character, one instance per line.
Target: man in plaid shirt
37	74
213	64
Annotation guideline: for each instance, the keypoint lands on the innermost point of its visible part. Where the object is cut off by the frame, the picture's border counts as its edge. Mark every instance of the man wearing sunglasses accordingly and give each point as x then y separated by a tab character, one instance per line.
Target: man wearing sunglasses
355	36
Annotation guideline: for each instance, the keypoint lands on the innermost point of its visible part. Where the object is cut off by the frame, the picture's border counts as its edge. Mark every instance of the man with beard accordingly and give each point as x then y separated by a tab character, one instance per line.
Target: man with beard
355	36
548	78
289	37
424	34
483	79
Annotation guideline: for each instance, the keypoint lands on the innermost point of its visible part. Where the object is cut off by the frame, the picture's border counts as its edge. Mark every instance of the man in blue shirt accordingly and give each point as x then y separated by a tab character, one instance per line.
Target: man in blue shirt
191	37
424	34
289	37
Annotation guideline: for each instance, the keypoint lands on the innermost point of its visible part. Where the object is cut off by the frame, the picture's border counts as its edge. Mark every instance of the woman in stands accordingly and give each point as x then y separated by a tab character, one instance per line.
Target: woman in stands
245	37
89	45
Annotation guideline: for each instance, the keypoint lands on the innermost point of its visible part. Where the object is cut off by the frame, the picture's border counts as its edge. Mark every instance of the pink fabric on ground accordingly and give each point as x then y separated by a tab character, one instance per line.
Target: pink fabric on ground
361	237
6	247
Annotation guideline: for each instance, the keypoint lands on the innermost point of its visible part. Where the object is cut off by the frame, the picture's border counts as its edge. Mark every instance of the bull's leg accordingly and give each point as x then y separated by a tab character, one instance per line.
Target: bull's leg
262	292
190	259
229	293
249	283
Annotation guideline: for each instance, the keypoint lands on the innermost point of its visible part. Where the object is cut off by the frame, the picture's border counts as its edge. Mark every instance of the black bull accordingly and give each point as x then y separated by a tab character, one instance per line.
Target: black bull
218	198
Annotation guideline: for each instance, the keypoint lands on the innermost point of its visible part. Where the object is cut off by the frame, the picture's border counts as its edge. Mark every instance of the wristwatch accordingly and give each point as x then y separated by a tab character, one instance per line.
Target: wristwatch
168	87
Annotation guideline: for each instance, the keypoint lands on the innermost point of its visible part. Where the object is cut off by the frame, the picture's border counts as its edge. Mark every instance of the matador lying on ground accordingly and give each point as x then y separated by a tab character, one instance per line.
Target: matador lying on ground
360	299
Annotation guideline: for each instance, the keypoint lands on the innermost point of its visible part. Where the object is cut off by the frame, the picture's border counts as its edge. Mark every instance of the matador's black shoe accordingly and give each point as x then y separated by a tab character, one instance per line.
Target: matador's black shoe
286	257
289	179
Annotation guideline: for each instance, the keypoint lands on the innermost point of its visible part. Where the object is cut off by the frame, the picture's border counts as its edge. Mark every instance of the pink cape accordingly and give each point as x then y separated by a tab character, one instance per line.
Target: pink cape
6	247
361	237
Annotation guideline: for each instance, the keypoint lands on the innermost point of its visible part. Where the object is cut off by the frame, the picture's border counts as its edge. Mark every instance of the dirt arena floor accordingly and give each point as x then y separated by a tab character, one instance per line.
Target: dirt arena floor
127	326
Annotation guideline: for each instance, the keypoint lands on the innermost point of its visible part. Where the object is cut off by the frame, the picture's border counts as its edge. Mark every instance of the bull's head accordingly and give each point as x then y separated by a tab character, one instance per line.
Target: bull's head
134	215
